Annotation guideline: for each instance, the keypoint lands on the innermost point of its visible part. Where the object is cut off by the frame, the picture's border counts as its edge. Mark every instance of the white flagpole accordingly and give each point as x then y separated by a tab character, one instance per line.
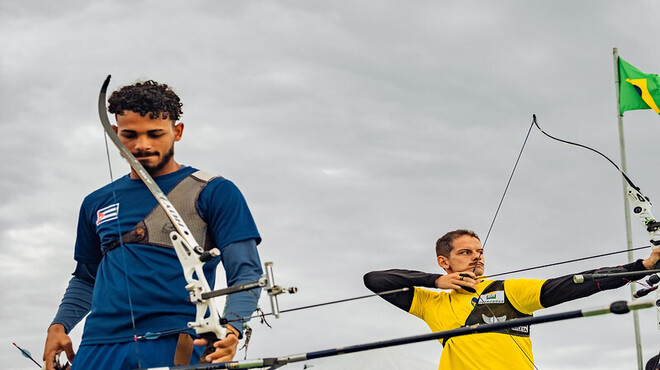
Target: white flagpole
626	205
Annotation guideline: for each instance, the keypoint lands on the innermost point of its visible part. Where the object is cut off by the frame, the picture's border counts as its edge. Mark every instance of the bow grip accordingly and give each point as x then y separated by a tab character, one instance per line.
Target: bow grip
211	338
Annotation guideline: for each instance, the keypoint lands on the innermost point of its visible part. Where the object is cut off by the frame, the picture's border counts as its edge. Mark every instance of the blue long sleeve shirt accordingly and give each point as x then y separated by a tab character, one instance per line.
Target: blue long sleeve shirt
146	281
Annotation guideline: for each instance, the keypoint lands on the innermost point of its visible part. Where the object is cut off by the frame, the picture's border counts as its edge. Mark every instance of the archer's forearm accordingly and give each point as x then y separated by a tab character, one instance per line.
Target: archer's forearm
242	265
563	289
382	281
77	299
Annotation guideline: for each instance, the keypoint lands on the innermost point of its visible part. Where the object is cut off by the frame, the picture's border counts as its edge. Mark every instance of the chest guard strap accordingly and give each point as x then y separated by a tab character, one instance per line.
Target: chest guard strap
494	306
155	229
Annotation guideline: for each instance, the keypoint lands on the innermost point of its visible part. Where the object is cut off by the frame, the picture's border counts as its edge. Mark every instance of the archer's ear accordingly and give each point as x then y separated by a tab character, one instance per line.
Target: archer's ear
443	262
178	131
114	127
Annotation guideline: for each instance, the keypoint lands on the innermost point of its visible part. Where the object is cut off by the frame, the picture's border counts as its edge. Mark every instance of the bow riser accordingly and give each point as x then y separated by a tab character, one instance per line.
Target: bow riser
641	208
207	319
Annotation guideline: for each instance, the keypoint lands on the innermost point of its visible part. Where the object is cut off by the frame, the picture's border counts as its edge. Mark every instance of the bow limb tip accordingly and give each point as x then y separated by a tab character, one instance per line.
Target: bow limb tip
104	88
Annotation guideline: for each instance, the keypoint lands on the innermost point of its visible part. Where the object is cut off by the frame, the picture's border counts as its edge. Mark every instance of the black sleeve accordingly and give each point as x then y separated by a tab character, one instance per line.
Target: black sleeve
563	289
382	281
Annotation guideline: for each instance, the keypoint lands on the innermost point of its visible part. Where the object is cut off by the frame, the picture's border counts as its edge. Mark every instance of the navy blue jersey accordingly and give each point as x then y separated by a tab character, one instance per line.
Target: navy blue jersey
150	277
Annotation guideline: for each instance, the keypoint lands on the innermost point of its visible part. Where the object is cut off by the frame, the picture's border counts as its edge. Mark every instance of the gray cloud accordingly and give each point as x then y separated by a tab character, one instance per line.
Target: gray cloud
358	131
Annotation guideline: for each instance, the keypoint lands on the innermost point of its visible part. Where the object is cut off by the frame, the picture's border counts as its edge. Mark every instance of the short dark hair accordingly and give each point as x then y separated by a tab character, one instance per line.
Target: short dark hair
444	245
148	97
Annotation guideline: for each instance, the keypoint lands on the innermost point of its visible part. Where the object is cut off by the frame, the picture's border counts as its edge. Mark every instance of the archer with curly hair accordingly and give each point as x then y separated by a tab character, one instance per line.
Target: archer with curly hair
123	238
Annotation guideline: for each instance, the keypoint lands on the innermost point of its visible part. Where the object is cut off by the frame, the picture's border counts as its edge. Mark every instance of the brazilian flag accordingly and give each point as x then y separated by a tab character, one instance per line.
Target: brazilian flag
637	90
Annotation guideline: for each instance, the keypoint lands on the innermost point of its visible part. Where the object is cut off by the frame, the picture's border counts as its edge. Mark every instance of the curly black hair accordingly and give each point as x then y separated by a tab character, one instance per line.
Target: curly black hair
158	100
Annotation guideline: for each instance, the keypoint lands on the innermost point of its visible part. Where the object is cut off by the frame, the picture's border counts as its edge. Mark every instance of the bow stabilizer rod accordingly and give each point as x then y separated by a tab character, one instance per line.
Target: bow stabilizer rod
618	307
630	275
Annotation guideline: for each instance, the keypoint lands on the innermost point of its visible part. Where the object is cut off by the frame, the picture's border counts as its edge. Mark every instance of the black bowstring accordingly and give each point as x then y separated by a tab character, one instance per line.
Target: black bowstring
497	211
263	315
121	244
506	188
566	261
585	147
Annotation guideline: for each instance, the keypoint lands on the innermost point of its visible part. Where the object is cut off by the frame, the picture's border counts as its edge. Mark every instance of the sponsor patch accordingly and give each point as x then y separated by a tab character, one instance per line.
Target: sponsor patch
521	329
492	297
106	214
493	319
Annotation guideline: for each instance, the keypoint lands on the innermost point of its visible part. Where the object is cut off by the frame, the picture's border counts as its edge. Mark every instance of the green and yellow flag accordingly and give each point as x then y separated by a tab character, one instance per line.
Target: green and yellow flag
637	90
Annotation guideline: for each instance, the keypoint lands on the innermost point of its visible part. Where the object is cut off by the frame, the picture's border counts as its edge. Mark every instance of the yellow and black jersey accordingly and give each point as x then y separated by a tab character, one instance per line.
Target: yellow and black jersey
494	301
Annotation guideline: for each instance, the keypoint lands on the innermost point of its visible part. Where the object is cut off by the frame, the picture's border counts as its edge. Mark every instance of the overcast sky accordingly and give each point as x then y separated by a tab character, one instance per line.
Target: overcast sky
358	131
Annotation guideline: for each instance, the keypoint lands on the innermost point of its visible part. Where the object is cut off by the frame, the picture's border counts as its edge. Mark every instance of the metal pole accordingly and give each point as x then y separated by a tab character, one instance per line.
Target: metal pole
626	205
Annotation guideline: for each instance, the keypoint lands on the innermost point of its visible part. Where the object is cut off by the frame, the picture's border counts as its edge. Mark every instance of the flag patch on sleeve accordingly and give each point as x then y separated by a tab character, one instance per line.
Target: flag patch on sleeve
106	214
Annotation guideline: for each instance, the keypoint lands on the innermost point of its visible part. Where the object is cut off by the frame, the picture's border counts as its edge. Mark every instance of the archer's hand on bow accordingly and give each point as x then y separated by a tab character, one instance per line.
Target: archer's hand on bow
653	259
57	341
456	281
225	349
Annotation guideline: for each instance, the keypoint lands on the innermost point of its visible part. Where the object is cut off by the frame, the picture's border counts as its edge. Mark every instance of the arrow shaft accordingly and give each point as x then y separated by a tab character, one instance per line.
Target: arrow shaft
619	307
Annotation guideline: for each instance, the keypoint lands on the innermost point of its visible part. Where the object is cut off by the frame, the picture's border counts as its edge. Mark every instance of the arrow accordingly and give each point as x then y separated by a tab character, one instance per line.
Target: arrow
26	353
